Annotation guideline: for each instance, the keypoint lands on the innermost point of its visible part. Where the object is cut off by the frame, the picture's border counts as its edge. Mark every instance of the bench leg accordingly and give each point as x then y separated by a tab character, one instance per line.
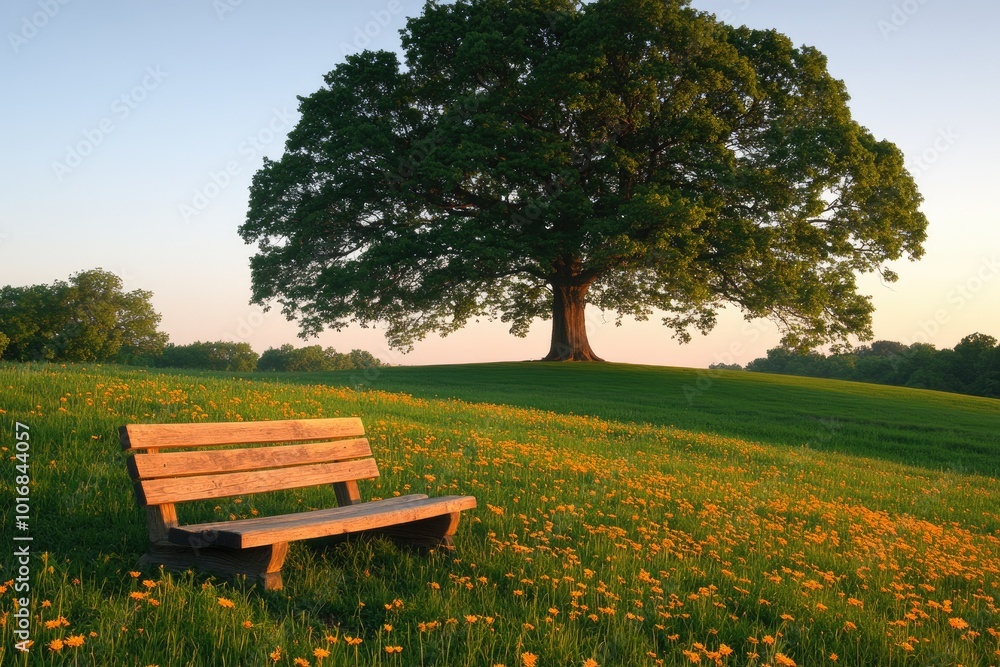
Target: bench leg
435	532
263	563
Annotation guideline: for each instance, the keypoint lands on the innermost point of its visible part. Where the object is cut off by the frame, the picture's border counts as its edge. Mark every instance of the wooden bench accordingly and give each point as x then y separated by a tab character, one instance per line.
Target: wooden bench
314	452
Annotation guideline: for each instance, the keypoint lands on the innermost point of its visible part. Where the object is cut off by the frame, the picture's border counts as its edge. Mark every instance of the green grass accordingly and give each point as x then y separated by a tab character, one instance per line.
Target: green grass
927	428
614	537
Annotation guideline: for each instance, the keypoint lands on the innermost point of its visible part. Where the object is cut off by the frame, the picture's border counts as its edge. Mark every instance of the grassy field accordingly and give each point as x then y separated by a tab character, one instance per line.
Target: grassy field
672	519
933	429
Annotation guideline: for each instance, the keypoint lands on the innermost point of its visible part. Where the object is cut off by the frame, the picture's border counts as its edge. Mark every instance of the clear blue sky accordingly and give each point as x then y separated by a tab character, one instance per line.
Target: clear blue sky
117	115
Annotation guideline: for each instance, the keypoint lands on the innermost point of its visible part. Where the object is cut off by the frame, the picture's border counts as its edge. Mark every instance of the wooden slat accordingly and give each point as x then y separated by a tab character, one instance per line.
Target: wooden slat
263	563
179	464
204	487
160	436
245	533
283	519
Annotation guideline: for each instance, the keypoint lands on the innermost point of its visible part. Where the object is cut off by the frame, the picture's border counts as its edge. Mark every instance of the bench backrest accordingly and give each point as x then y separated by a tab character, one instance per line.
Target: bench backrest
316	451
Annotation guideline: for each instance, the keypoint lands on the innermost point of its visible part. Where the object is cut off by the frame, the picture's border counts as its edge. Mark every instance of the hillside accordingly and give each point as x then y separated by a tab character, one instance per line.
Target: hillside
928	428
597	541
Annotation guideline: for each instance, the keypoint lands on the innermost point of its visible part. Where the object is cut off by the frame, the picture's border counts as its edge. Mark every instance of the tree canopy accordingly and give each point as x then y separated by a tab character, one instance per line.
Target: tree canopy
217	356
89	318
972	367
313	358
531	156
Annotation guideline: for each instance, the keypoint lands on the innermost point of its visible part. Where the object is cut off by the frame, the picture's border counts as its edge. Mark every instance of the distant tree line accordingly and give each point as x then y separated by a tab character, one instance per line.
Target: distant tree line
314	358
91	318
217	356
972	367
240	357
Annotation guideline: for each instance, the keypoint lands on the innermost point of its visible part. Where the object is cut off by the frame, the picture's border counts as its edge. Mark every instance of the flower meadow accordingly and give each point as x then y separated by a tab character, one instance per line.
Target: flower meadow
595	543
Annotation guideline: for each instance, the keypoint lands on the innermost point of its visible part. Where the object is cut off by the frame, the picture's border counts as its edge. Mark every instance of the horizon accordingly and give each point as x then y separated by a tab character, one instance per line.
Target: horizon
128	141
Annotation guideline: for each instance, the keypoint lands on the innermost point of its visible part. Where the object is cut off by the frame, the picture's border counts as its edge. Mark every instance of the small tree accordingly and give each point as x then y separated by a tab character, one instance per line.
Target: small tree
363	359
90	318
534	156
276	358
310	358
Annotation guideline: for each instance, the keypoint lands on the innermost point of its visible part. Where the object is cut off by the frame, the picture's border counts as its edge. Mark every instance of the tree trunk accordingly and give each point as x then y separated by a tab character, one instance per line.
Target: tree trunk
569	326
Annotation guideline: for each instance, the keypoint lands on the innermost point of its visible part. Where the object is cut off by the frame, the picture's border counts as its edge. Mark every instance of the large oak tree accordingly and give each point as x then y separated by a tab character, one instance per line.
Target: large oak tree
532	156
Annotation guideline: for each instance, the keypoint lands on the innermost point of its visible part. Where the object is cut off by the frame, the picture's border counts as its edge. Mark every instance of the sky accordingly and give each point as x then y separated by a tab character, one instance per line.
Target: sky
132	131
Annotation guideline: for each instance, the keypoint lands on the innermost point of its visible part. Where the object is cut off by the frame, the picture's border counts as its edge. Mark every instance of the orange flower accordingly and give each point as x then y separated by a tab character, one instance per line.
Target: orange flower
224	602
958	623
55	645
321	653
529	659
784	660
74	641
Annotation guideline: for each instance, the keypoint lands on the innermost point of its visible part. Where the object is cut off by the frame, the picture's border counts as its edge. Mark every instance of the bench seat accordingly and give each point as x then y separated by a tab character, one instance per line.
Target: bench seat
265	530
207	461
